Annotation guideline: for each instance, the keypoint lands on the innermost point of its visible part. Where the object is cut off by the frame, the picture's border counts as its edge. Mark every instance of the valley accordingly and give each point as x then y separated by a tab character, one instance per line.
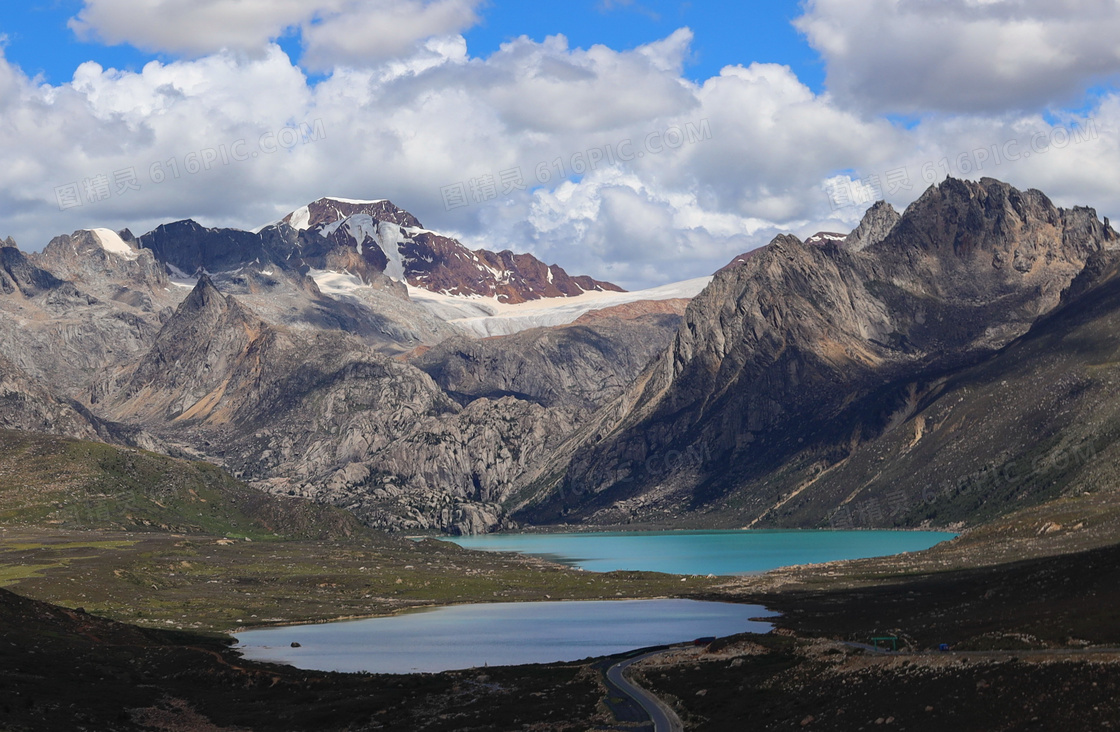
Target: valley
615	366
205	431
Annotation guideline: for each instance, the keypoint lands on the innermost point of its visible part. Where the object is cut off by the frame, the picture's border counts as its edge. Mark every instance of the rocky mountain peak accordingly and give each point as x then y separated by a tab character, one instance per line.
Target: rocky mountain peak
780	346
876	223
191	358
190	247
106	264
963	218
205	297
328	210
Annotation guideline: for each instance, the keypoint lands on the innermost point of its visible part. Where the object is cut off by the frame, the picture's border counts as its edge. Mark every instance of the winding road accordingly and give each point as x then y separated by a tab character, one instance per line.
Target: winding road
664	718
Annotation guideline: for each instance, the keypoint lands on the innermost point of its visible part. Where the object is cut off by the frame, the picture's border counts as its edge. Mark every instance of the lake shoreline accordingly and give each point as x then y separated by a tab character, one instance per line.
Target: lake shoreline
704	553
649	529
475	635
436	606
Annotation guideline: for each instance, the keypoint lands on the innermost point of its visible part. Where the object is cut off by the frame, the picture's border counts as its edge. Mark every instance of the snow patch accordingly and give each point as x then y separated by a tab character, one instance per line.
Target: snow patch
111	242
360	228
301	218
353	200
389	238
337	284
179	278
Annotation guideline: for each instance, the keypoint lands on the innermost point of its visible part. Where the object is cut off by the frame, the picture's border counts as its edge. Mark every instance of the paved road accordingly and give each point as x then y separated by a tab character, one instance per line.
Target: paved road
664	718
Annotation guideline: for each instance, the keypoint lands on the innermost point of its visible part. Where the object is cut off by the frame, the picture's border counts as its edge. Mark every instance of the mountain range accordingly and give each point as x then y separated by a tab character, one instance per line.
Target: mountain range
938	366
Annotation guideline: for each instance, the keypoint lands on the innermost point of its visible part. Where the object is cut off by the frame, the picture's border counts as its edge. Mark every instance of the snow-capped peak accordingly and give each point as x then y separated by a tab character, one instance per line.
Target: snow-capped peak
111	242
327	210
354	201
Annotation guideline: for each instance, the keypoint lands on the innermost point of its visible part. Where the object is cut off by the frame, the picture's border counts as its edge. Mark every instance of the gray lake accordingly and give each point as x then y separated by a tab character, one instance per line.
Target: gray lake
497	634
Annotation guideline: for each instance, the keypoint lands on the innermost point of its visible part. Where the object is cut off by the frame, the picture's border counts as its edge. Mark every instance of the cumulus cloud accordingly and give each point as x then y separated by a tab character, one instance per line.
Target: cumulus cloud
334	32
637	232
914	56
192	27
355	33
623	168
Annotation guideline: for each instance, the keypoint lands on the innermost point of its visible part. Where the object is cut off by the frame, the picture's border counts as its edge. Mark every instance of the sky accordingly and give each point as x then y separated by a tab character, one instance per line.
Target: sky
641	142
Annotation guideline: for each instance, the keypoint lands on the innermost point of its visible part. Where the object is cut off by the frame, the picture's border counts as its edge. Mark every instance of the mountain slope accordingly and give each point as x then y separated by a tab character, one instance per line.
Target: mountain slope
581	366
791	360
74	484
1038	420
321	415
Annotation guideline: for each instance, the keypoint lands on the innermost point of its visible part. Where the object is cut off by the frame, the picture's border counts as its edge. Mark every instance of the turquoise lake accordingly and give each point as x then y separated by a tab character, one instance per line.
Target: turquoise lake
497	634
705	552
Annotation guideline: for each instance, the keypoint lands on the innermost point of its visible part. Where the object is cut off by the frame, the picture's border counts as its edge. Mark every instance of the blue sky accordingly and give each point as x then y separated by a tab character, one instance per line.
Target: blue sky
725	33
39	40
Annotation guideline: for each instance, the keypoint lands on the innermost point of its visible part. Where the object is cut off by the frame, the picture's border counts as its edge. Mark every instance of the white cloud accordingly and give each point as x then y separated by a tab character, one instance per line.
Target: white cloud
549	88
357	33
764	146
193	27
334	32
913	56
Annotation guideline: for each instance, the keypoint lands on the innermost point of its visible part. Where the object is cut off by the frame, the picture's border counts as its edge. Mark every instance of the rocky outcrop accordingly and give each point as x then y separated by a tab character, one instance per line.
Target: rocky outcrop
134	278
26	405
876	224
450	472
21	277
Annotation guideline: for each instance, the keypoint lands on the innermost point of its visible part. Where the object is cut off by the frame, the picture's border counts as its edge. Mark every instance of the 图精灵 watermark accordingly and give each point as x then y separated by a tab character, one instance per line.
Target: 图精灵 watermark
843	192
655	466
490	186
124	181
896	504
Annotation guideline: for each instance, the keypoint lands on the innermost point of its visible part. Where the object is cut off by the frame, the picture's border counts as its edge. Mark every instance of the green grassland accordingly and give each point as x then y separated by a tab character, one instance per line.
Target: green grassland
157	541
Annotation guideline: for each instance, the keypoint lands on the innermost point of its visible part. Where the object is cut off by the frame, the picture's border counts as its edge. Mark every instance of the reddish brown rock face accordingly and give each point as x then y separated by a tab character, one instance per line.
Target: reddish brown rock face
329	210
429	260
441	264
